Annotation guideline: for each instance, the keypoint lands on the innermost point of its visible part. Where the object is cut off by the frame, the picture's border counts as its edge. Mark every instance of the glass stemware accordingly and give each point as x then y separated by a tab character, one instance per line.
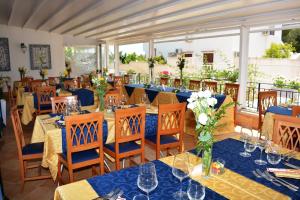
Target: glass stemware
180	170
147	179
245	138
123	101
273	155
261	144
195	190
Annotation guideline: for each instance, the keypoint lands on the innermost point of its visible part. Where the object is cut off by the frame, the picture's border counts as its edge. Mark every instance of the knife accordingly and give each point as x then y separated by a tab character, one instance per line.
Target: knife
291	165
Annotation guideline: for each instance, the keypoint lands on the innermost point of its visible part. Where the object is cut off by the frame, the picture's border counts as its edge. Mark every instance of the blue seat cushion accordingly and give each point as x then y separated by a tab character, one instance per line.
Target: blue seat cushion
33	148
123	147
164	139
46	107
82	156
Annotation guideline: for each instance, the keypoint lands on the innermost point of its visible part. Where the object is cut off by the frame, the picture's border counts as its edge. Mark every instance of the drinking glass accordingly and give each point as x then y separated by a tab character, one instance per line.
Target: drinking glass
123	100
147	179
261	145
250	145
273	155
144	99
195	190
180	170
244	138
110	104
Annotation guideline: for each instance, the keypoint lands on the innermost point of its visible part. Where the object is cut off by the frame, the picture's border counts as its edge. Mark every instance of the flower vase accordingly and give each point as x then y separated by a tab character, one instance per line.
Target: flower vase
181	77
21	76
101	102
206	161
69	75
151	76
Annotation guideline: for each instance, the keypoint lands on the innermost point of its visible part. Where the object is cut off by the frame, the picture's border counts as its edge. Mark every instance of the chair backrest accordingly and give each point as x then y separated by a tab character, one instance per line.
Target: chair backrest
77	82
126	79
232	89
10	96
16	122
70	84
295	111
265	100
114	95
84	132
59	103
86	83
164	81
287	132
26	81
171	119
52	80
118	81
44	95
130	125
211	85
34	84
194	85
176	82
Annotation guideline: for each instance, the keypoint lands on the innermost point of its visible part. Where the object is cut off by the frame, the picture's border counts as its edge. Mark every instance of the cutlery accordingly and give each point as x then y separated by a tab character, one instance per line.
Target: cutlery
267	178
281	180
291	165
275	181
256	174
112	195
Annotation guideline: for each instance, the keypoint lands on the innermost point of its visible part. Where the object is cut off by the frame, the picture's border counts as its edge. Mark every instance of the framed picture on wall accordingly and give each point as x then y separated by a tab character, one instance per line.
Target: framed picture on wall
40	56
4	55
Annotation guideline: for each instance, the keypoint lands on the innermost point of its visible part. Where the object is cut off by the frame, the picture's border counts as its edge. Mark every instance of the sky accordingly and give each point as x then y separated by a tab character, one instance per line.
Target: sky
131	48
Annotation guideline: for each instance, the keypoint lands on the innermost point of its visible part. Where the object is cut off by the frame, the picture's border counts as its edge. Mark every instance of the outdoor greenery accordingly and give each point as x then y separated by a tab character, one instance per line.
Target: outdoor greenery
133	57
293	37
279	51
281	82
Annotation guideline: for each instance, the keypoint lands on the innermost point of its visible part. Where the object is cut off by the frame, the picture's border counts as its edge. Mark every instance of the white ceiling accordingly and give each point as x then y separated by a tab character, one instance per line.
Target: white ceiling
140	20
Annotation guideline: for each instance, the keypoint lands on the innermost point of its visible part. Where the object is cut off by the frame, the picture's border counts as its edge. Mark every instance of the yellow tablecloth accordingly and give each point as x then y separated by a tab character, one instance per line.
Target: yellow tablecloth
230	185
20	95
227	121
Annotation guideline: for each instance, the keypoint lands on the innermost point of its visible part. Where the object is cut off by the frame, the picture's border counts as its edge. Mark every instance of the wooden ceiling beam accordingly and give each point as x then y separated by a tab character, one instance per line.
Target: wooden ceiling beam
35	10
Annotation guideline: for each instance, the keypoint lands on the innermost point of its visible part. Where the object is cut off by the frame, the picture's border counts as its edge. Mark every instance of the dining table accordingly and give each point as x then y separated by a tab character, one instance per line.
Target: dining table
47	130
236	182
268	121
168	95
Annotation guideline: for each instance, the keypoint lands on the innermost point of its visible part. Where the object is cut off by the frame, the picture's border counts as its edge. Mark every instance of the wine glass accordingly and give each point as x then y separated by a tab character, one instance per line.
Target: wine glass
250	145
123	100
147	179
180	170
273	155
110	104
261	144
195	190
244	138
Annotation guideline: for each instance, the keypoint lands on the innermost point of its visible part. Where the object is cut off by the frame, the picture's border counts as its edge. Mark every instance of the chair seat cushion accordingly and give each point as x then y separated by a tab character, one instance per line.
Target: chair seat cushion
164	139
33	148
123	147
82	156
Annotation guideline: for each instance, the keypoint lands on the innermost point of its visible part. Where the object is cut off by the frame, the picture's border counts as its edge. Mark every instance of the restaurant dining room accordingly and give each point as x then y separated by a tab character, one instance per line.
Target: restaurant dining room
149	99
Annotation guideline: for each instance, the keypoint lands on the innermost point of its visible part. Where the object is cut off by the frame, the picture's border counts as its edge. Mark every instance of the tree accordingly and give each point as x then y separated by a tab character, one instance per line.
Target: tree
279	51
293	37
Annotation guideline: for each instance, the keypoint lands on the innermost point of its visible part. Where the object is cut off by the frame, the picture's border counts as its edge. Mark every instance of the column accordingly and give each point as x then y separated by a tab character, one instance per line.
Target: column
117	59
98	57
243	65
106	56
151	48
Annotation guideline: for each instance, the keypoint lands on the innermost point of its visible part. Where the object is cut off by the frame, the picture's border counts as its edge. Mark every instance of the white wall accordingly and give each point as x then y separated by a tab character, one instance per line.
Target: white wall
16	36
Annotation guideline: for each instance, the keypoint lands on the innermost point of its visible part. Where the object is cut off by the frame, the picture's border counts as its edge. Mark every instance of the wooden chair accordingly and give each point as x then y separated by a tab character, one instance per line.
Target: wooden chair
176	83
84	138
86	82
126	79
113	95
211	85
287	132
164	81
34	84
295	111
59	103
26	81
194	85
77	82
11	99
70	84
265	100
170	124
52	81
44	95
232	89
26	152
129	129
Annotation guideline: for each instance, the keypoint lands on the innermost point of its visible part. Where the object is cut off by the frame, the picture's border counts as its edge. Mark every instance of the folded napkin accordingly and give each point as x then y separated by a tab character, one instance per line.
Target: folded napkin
286	173
51	120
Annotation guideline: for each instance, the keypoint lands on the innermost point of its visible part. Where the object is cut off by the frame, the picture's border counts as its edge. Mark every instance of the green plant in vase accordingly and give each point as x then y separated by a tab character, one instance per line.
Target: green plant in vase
181	61
202	104
100	84
22	71
151	63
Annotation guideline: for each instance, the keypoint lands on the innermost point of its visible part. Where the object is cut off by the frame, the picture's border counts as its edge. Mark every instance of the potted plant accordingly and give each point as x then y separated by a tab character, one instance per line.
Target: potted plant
151	63
100	84
22	71
180	64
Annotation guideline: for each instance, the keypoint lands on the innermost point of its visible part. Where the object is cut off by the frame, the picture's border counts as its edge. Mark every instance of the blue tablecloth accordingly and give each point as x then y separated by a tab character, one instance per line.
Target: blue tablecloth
126	180
229	150
280	110
85	96
130	88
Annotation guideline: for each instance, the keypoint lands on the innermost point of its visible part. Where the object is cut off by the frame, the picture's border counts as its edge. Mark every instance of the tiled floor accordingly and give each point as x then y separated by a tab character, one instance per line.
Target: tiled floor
41	189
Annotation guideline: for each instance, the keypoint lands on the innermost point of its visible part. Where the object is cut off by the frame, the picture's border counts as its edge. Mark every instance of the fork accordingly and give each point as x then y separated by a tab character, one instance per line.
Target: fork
112	195
281	180
256	174
266	177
